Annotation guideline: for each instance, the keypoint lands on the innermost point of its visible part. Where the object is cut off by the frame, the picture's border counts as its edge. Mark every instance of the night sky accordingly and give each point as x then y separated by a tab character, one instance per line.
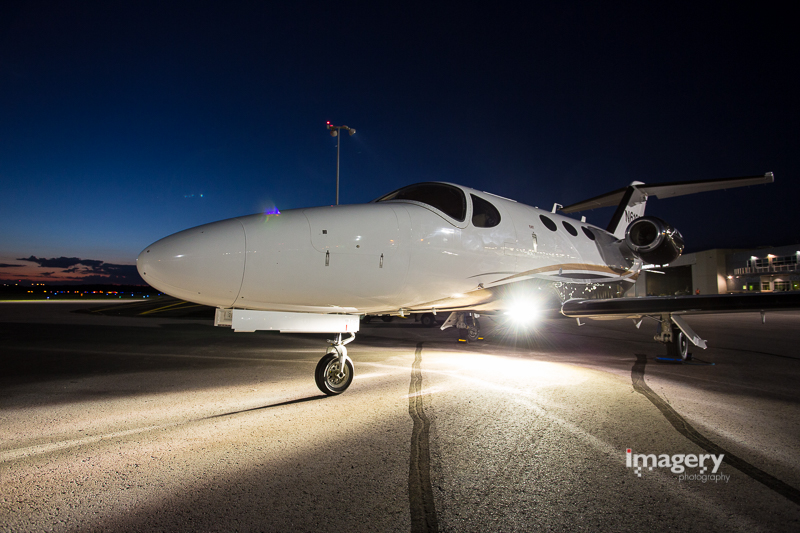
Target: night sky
123	122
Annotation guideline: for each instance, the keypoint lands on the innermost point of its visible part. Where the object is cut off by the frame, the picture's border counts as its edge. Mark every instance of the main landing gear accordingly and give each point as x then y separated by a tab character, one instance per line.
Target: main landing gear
679	347
469	329
670	332
334	372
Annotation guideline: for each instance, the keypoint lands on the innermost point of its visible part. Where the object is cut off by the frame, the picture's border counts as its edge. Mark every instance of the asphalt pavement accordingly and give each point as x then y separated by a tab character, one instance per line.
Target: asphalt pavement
127	421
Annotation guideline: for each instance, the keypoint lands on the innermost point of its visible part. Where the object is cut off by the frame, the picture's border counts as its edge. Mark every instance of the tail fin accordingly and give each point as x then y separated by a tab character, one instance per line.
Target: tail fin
631	200
630	207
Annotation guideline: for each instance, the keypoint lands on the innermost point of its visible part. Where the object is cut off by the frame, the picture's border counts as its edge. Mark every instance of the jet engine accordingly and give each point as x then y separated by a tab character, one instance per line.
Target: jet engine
654	240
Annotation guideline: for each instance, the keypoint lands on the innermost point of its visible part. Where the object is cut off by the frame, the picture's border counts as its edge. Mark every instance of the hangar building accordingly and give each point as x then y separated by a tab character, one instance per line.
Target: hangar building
724	271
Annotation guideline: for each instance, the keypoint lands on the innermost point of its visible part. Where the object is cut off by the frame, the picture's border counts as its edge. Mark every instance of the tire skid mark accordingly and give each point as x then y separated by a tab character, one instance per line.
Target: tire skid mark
420	491
688	431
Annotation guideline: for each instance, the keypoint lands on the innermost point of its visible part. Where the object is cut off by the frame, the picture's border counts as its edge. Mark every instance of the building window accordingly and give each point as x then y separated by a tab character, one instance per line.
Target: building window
785	260
781	286
765	285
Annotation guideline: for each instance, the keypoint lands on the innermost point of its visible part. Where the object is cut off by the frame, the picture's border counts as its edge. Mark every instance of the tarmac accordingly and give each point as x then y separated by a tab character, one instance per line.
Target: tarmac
143	416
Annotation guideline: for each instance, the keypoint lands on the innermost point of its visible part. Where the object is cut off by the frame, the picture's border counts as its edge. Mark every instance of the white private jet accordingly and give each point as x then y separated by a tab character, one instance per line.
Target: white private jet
428	248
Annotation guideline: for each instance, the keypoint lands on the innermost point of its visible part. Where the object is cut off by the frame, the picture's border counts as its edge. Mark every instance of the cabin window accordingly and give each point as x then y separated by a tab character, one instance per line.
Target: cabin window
588	232
484	214
570	228
448	199
548	223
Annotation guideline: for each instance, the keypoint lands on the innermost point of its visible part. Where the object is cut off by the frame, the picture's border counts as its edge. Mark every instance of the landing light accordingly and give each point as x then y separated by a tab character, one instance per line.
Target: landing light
523	312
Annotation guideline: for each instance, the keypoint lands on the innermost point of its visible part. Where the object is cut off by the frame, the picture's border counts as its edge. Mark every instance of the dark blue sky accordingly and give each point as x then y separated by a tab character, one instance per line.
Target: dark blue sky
123	122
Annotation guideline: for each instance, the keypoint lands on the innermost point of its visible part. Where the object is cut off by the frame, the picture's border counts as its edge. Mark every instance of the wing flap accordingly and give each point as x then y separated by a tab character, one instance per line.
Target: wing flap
685	305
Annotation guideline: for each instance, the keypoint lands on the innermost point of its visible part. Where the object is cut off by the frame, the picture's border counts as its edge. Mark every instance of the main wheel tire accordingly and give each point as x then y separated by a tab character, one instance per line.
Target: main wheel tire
683	346
428	320
679	347
328	376
473	334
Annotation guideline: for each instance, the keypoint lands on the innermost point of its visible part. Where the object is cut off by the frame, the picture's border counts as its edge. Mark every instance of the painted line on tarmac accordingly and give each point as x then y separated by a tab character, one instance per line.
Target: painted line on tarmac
175	355
171	307
40	449
370	375
19	453
760	353
420	492
688	431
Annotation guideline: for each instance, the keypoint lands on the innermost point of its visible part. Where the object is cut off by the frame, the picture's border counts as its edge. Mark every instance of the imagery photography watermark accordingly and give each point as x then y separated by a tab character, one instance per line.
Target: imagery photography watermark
688	466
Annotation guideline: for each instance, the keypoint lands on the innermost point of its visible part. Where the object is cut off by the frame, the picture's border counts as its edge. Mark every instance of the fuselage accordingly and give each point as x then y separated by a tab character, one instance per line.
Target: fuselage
427	246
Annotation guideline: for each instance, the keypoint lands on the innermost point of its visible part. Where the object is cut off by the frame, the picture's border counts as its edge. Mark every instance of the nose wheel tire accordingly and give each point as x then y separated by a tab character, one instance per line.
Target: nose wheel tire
331	378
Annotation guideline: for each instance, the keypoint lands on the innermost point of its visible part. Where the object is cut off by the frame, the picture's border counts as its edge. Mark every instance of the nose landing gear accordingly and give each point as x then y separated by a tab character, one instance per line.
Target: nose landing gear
335	372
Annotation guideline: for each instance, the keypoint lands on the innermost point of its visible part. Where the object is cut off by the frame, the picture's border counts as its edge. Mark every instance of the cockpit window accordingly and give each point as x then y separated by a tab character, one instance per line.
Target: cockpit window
446	198
484	214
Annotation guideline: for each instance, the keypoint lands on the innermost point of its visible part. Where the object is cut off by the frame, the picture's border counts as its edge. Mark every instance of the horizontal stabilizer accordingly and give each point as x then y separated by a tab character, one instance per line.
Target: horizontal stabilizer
669	190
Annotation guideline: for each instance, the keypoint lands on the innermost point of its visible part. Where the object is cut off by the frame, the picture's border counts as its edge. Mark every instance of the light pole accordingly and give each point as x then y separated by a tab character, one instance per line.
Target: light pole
335	130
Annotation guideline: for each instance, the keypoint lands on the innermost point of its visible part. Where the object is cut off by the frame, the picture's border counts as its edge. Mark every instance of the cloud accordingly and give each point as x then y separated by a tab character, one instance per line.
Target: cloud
6	265
92	270
56	262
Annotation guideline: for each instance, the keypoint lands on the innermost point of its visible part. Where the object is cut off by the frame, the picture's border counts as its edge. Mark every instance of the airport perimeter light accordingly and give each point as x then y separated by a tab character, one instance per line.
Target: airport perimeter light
335	130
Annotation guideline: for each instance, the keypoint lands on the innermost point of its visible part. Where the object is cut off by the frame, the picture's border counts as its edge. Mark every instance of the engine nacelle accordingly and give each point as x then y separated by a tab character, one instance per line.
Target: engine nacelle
654	240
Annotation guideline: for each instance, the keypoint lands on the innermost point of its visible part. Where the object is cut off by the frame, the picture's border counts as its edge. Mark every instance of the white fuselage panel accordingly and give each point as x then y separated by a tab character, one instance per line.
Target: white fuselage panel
377	258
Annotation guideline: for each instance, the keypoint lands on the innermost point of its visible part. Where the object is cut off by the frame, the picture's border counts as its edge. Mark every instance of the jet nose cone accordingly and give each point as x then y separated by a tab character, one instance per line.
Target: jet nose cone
203	264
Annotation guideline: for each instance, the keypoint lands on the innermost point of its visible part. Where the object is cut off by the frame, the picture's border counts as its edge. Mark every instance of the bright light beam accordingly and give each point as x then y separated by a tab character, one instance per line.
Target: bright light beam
524	312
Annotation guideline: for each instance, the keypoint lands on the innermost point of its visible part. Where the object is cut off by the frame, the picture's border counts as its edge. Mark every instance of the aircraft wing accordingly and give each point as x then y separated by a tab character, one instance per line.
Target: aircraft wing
679	305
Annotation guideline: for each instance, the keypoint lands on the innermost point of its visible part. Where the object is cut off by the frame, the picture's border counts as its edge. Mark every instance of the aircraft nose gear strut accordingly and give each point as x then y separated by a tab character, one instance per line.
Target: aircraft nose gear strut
334	372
